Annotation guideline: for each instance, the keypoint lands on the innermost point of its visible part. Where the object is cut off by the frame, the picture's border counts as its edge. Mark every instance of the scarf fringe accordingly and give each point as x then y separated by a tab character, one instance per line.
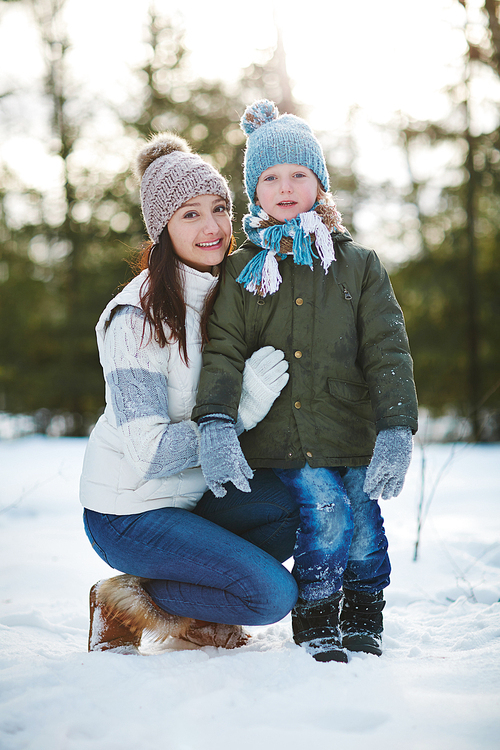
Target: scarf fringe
271	277
313	224
251	275
302	249
271	237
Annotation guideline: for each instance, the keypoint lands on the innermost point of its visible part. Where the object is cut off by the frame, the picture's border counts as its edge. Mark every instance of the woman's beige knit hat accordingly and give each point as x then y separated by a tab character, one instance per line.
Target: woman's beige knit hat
170	174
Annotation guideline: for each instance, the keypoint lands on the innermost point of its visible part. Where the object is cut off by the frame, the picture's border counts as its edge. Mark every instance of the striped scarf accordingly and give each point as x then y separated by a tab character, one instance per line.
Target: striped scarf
261	275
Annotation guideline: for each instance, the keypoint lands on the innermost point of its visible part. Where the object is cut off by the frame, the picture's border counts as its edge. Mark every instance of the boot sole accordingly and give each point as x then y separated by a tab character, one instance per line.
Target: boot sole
357	645
325	656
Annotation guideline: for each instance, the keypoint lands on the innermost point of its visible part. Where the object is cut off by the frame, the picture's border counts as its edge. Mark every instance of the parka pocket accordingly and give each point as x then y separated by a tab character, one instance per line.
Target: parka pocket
348	391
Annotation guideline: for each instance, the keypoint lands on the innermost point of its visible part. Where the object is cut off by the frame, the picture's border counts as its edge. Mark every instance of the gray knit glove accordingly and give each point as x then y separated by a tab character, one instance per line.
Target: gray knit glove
221	457
264	377
390	461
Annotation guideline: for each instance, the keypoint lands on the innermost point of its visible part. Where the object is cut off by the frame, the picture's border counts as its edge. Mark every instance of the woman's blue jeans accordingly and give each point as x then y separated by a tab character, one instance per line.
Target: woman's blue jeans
220	562
341	539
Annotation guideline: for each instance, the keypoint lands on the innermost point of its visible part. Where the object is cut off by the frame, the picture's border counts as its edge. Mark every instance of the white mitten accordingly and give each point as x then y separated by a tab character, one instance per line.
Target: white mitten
264	377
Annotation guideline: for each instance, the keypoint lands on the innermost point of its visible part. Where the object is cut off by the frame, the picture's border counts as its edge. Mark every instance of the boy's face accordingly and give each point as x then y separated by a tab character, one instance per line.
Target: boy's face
286	190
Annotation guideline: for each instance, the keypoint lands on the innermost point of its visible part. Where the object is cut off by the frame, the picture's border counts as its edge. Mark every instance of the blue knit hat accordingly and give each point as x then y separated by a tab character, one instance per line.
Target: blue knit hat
278	139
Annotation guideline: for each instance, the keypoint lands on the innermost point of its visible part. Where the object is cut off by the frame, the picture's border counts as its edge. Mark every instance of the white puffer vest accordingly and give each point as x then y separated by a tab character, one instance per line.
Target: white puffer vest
116	476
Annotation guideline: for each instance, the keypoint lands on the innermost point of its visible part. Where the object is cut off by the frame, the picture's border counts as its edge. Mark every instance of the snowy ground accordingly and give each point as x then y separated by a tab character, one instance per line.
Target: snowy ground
437	686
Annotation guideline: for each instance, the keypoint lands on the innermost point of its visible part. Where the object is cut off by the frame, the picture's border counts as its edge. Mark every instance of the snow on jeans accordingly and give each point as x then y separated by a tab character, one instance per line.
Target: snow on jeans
341	539
220	562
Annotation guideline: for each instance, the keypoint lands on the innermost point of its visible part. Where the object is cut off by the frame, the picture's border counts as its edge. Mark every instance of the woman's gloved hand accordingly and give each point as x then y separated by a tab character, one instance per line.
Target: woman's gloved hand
264	377
390	461
221	457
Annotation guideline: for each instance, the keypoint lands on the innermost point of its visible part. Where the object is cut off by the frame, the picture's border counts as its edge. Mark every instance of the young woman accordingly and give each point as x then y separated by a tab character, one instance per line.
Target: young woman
195	567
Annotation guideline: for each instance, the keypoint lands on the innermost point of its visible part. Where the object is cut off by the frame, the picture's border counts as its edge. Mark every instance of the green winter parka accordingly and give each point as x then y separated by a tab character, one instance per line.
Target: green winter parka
343	334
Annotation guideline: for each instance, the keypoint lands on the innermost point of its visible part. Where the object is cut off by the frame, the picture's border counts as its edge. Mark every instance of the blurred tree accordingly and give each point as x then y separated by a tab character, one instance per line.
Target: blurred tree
59	251
450	292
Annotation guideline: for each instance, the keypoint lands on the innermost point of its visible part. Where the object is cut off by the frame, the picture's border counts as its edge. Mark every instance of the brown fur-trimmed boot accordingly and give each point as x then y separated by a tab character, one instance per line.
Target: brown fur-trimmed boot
215	634
121	612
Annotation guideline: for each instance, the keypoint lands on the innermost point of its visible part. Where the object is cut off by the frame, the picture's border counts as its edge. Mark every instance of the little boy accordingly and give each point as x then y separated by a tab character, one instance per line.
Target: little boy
340	434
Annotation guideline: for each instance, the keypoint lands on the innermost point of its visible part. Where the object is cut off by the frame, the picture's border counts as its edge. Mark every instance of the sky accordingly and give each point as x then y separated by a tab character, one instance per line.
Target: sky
380	56
383	56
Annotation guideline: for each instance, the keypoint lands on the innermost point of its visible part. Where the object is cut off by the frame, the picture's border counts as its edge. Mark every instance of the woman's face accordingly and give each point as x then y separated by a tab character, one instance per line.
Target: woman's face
200	231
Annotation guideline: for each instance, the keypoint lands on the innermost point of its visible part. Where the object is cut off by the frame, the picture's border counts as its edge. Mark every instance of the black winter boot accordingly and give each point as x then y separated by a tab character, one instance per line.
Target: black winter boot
361	621
315	626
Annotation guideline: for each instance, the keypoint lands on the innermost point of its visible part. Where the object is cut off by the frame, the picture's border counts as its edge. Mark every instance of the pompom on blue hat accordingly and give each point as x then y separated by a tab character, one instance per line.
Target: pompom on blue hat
278	139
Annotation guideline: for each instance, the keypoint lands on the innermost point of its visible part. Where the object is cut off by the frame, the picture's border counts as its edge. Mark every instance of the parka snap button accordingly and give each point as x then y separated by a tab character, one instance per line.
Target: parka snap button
297	355
309	454
297	404
299	301
289	455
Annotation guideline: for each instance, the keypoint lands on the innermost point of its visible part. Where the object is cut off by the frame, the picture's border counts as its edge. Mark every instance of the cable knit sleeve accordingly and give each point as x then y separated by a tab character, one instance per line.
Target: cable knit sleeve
137	394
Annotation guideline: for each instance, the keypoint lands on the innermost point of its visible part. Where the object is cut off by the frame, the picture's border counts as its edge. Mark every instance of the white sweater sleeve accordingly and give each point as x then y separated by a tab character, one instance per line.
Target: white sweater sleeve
137	391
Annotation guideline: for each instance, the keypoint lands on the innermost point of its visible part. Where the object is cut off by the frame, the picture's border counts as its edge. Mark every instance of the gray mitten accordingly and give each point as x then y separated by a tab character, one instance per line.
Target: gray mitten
264	377
221	457
390	461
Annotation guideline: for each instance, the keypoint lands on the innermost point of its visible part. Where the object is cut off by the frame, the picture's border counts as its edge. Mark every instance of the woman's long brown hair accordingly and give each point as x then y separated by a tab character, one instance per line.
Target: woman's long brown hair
162	298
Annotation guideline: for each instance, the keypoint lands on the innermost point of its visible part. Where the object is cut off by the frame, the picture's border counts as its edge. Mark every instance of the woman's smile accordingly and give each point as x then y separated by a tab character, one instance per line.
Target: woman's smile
215	243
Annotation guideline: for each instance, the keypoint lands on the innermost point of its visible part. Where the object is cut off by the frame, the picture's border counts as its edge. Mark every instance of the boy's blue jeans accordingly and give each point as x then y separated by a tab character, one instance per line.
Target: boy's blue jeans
341	539
220	562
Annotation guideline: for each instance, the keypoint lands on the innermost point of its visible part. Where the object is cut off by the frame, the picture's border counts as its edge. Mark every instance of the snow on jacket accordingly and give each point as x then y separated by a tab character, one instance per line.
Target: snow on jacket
351	373
143	453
